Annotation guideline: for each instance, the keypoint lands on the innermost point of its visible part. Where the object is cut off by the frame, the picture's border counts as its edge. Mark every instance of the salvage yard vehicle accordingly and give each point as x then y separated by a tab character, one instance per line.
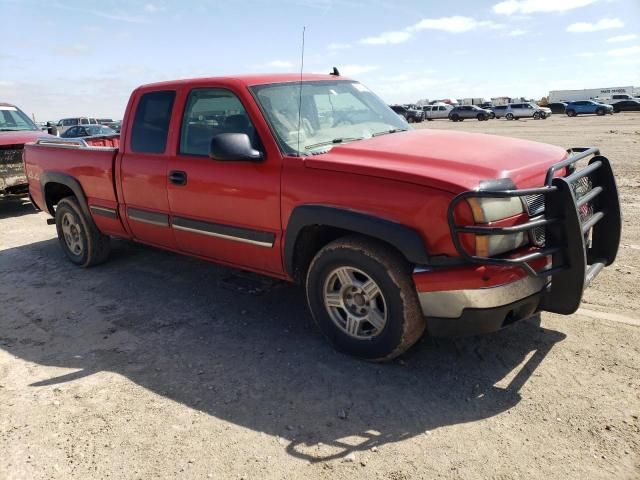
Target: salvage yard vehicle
587	106
392	231
459	113
515	111
627	106
432	112
16	129
411	115
87	131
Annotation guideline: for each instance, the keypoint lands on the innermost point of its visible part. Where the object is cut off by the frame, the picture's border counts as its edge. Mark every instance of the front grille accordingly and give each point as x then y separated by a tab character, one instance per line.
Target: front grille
580	188
11	161
534	204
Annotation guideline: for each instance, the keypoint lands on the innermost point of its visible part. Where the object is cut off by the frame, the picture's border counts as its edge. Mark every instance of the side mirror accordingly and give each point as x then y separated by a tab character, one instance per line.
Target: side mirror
233	147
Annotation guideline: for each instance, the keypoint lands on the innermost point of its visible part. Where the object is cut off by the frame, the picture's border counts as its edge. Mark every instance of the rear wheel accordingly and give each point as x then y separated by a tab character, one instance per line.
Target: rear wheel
363	300
81	241
455	117
509	116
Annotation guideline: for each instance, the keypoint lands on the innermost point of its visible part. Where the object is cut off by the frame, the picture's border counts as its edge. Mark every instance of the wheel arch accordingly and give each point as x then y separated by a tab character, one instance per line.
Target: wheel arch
56	186
311	227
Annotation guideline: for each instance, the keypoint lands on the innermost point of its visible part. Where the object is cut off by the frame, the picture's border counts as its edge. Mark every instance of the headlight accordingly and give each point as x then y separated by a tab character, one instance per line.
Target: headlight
487	209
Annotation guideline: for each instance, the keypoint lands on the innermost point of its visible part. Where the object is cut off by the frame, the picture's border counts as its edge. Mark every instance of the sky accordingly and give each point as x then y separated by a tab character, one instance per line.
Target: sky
70	58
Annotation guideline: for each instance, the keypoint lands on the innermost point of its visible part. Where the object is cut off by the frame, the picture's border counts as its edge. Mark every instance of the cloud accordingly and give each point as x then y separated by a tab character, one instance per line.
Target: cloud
623	52
72	50
280	64
603	24
352	70
622	38
387	38
517	32
339	46
524	7
455	24
152	8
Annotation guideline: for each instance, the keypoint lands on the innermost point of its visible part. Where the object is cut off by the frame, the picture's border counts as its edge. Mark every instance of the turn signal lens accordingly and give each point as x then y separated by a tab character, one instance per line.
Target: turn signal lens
491	245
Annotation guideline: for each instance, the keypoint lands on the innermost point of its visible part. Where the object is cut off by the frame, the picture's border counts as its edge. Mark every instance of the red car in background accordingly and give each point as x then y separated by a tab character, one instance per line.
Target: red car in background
16	129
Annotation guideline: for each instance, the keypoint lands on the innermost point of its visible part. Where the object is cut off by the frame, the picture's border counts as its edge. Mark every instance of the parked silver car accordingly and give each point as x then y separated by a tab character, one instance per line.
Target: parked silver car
432	112
522	110
459	113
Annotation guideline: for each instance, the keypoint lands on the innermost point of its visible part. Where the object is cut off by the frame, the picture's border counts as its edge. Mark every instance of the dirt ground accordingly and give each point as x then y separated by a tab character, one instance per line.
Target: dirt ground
161	366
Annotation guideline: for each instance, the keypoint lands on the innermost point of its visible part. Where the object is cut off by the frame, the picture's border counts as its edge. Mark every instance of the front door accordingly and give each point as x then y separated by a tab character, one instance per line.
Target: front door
224	210
143	170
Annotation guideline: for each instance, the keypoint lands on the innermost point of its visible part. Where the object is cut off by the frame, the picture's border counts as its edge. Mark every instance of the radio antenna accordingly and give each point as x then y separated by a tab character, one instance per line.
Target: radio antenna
304	28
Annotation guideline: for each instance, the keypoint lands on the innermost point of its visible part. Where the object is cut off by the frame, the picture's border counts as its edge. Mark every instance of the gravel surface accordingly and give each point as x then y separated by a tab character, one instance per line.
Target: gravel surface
156	365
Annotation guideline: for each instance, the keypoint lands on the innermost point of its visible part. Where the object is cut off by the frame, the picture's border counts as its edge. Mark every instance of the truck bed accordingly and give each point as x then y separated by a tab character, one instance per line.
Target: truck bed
91	161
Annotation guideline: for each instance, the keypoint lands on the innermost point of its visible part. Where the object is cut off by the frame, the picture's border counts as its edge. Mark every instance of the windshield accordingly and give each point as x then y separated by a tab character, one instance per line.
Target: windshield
12	119
99	130
333	112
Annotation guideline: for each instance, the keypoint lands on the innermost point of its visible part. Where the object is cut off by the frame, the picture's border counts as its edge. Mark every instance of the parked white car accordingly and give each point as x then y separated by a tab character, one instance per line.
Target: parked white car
66	123
432	112
522	110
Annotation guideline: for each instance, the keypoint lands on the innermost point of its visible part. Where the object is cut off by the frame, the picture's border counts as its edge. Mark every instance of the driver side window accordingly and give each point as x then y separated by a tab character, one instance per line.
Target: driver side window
210	112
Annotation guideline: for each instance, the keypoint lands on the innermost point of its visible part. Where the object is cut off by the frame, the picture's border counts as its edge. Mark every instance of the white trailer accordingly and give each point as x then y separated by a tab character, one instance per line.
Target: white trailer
588	94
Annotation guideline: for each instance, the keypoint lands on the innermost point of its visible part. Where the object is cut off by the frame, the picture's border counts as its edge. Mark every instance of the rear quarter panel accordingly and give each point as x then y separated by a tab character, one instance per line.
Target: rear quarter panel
91	167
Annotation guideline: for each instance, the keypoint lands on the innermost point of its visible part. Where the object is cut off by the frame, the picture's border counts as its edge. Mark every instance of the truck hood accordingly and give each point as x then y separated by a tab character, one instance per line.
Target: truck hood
21	137
443	159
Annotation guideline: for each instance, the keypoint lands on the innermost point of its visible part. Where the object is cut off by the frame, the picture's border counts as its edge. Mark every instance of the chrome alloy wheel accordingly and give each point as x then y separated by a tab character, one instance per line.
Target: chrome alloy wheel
355	303
71	231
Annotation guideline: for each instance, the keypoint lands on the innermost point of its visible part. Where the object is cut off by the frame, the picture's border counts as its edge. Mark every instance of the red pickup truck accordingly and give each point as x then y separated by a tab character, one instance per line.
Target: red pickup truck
315	180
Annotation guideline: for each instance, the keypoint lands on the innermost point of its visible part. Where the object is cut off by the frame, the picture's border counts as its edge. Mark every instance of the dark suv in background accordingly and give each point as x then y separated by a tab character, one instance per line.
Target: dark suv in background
411	115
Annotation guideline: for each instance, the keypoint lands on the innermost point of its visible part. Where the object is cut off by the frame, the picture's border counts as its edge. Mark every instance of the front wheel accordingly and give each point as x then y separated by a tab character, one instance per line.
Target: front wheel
79	238
480	117
571	113
600	112
536	115
363	299
454	117
509	116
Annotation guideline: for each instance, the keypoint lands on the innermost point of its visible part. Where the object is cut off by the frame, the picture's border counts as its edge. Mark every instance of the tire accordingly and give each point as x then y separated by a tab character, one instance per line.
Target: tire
454	118
410	120
600	112
492	116
536	115
79	238
361	261
429	119
509	116
571	113
480	117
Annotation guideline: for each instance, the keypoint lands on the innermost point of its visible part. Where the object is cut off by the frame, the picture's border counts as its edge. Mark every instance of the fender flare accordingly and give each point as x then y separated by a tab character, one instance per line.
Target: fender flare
68	181
407	240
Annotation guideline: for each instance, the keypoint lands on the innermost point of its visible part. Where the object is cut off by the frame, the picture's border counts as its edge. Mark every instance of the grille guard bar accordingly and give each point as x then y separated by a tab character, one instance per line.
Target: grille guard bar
575	261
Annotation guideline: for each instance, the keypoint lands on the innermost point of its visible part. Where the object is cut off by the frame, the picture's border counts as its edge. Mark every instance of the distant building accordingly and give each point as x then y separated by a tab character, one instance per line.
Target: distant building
588	94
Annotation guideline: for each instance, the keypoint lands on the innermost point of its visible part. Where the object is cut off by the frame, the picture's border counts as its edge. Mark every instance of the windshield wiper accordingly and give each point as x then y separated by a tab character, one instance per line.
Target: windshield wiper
332	142
385	132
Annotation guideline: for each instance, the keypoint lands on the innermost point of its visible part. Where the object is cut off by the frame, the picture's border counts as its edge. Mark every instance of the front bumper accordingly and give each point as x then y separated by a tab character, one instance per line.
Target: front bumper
580	228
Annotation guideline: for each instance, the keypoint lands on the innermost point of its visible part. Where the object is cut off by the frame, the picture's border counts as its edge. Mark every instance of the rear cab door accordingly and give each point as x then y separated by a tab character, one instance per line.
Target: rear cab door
142	167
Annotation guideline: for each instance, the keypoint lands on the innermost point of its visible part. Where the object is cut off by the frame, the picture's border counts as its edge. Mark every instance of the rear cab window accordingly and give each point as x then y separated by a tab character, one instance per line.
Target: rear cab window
151	122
